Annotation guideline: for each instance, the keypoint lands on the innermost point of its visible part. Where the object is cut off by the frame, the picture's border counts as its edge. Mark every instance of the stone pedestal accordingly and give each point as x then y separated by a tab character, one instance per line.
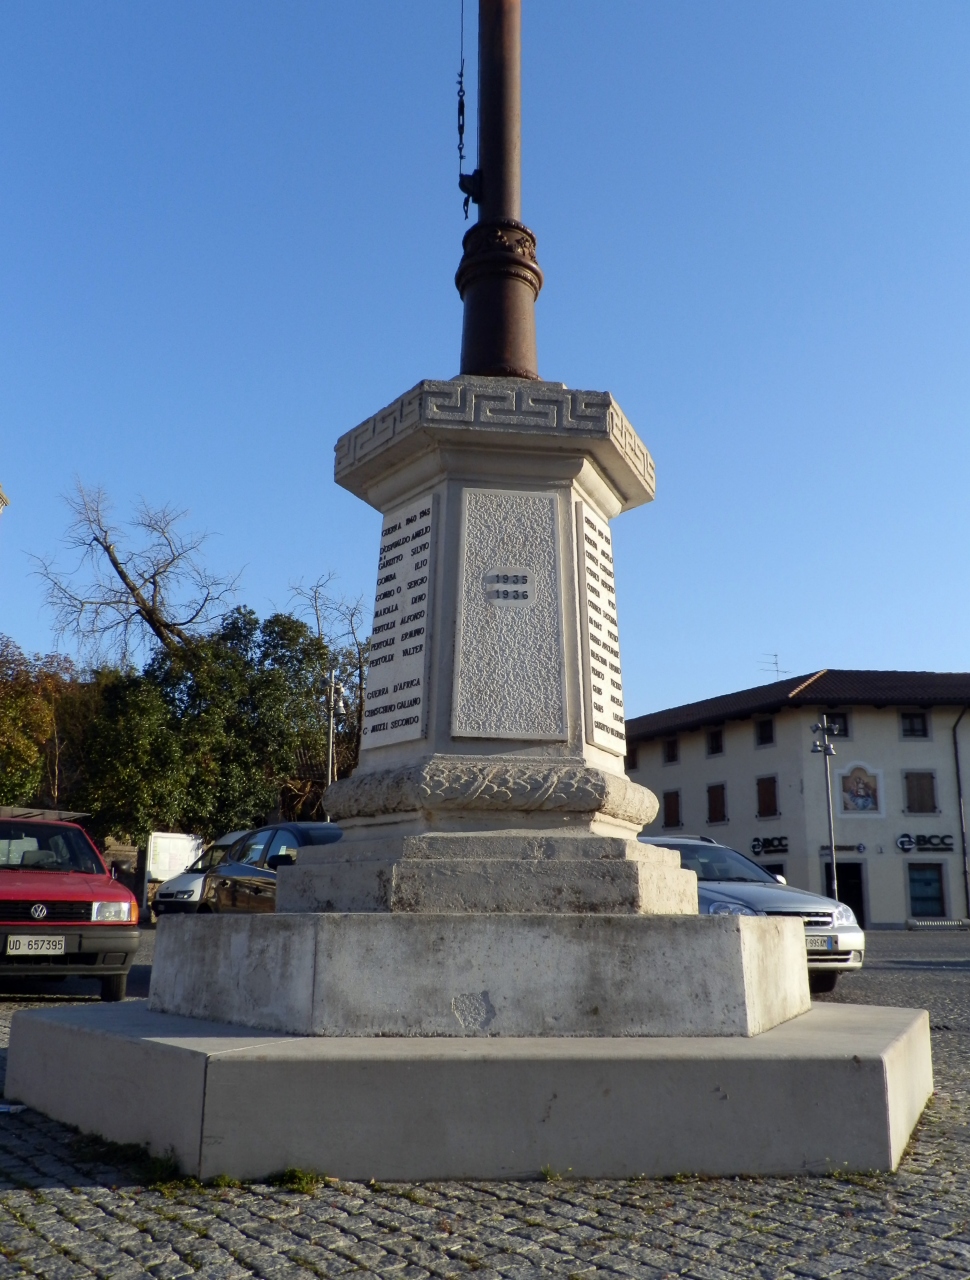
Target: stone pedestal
470	975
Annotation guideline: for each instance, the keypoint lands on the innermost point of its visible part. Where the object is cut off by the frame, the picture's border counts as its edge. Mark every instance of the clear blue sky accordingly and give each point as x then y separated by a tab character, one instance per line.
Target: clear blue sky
228	233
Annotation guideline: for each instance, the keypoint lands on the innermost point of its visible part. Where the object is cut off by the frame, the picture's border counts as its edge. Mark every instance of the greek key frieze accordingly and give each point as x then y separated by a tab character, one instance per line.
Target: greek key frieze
494	403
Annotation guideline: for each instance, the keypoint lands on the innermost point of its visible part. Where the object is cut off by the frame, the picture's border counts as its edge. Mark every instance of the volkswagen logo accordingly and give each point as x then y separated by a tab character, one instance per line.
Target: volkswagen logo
38	911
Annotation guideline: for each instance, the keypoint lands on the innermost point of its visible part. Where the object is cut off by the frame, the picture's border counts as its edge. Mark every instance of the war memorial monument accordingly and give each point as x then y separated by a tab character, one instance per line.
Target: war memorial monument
489	973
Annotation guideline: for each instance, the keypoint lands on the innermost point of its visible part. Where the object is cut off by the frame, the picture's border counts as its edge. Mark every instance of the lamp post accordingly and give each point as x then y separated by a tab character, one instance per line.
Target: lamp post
821	746
335	703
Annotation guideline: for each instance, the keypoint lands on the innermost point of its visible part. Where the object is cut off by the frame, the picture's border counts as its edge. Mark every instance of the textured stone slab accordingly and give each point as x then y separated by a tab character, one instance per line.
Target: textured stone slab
509	656
634	886
484	975
838	1089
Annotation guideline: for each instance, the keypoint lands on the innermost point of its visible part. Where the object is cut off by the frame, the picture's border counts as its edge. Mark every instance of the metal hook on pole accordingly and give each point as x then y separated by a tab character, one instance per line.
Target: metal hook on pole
469	183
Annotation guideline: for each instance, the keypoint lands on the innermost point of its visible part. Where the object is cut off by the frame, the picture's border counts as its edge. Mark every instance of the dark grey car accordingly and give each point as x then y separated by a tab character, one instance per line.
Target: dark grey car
246	881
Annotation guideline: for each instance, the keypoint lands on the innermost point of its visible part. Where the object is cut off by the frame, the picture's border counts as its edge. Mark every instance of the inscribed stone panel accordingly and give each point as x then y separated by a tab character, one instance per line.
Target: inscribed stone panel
602	681
395	695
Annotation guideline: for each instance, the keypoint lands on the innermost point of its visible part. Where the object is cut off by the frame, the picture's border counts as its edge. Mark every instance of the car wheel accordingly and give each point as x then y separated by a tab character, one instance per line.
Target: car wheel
204	910
114	988
819	983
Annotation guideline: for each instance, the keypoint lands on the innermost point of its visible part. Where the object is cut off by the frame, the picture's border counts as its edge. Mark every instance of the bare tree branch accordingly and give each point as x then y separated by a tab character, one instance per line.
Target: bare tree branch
131	587
314	603
342	625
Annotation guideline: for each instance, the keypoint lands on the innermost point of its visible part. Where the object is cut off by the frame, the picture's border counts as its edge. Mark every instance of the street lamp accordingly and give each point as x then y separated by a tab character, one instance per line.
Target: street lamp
821	746
335	704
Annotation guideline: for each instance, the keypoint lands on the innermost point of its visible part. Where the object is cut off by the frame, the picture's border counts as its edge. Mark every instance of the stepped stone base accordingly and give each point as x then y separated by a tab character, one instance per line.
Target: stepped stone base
839	1088
515	871
453	975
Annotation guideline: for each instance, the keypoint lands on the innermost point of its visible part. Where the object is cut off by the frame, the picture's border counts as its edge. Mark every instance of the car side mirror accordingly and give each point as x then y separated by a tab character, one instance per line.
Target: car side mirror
280	860
781	879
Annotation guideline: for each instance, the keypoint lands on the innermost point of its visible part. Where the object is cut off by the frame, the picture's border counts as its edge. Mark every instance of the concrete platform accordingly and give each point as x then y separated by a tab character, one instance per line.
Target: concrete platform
840	1087
379	974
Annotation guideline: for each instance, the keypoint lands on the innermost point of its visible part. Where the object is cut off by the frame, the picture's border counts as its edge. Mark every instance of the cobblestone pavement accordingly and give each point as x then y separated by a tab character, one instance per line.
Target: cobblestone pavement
64	1213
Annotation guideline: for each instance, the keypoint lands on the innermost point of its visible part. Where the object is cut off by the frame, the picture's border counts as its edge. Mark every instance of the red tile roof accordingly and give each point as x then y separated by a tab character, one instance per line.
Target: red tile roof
817	689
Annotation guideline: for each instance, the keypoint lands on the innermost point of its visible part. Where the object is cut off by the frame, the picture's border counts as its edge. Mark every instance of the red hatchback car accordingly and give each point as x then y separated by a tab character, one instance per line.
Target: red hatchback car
61	911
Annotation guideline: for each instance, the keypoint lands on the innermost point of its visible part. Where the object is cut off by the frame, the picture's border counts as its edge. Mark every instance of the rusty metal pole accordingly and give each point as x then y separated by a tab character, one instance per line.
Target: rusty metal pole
498	277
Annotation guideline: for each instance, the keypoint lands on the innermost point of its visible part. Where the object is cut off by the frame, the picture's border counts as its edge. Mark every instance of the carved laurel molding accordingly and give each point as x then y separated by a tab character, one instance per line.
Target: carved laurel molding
495	403
510	785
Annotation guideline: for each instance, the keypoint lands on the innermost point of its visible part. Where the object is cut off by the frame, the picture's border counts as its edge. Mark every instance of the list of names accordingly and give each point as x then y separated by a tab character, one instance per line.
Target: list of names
395	685
602	682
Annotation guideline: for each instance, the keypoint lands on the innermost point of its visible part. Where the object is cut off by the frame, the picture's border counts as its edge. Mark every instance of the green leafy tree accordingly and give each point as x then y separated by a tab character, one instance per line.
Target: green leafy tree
248	703
136	775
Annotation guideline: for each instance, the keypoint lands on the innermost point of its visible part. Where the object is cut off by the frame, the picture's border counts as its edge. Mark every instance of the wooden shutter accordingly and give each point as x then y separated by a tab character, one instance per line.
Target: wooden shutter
767	797
920	793
717	803
671	808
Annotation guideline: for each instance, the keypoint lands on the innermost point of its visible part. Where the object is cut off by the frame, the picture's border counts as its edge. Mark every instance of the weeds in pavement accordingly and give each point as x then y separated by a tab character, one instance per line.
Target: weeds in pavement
301	1180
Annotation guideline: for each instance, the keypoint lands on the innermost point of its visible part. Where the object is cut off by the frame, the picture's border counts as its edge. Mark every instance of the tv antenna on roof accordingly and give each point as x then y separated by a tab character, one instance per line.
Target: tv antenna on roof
769	662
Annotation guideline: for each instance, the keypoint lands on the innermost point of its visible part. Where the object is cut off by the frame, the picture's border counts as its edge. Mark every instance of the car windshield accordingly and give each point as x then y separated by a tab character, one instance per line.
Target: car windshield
38	846
211	858
715	862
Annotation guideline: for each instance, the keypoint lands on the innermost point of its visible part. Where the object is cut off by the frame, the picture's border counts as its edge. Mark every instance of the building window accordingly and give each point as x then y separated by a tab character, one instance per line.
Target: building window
920	792
764	733
672	809
715	742
914	724
630	763
767	797
717	802
670	750
926	889
838	721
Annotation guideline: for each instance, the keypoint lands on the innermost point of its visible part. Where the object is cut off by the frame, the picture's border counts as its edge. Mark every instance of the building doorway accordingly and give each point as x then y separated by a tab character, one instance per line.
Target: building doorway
926	889
851	890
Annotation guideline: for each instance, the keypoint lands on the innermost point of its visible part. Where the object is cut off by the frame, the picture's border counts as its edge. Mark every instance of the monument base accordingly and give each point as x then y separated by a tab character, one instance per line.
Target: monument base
838	1089
515	871
390	974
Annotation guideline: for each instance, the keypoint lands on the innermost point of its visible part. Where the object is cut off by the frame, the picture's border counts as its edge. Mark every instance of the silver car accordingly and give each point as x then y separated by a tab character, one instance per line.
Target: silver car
728	883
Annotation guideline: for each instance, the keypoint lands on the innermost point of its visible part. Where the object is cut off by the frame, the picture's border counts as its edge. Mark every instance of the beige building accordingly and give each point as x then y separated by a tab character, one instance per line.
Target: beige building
740	769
